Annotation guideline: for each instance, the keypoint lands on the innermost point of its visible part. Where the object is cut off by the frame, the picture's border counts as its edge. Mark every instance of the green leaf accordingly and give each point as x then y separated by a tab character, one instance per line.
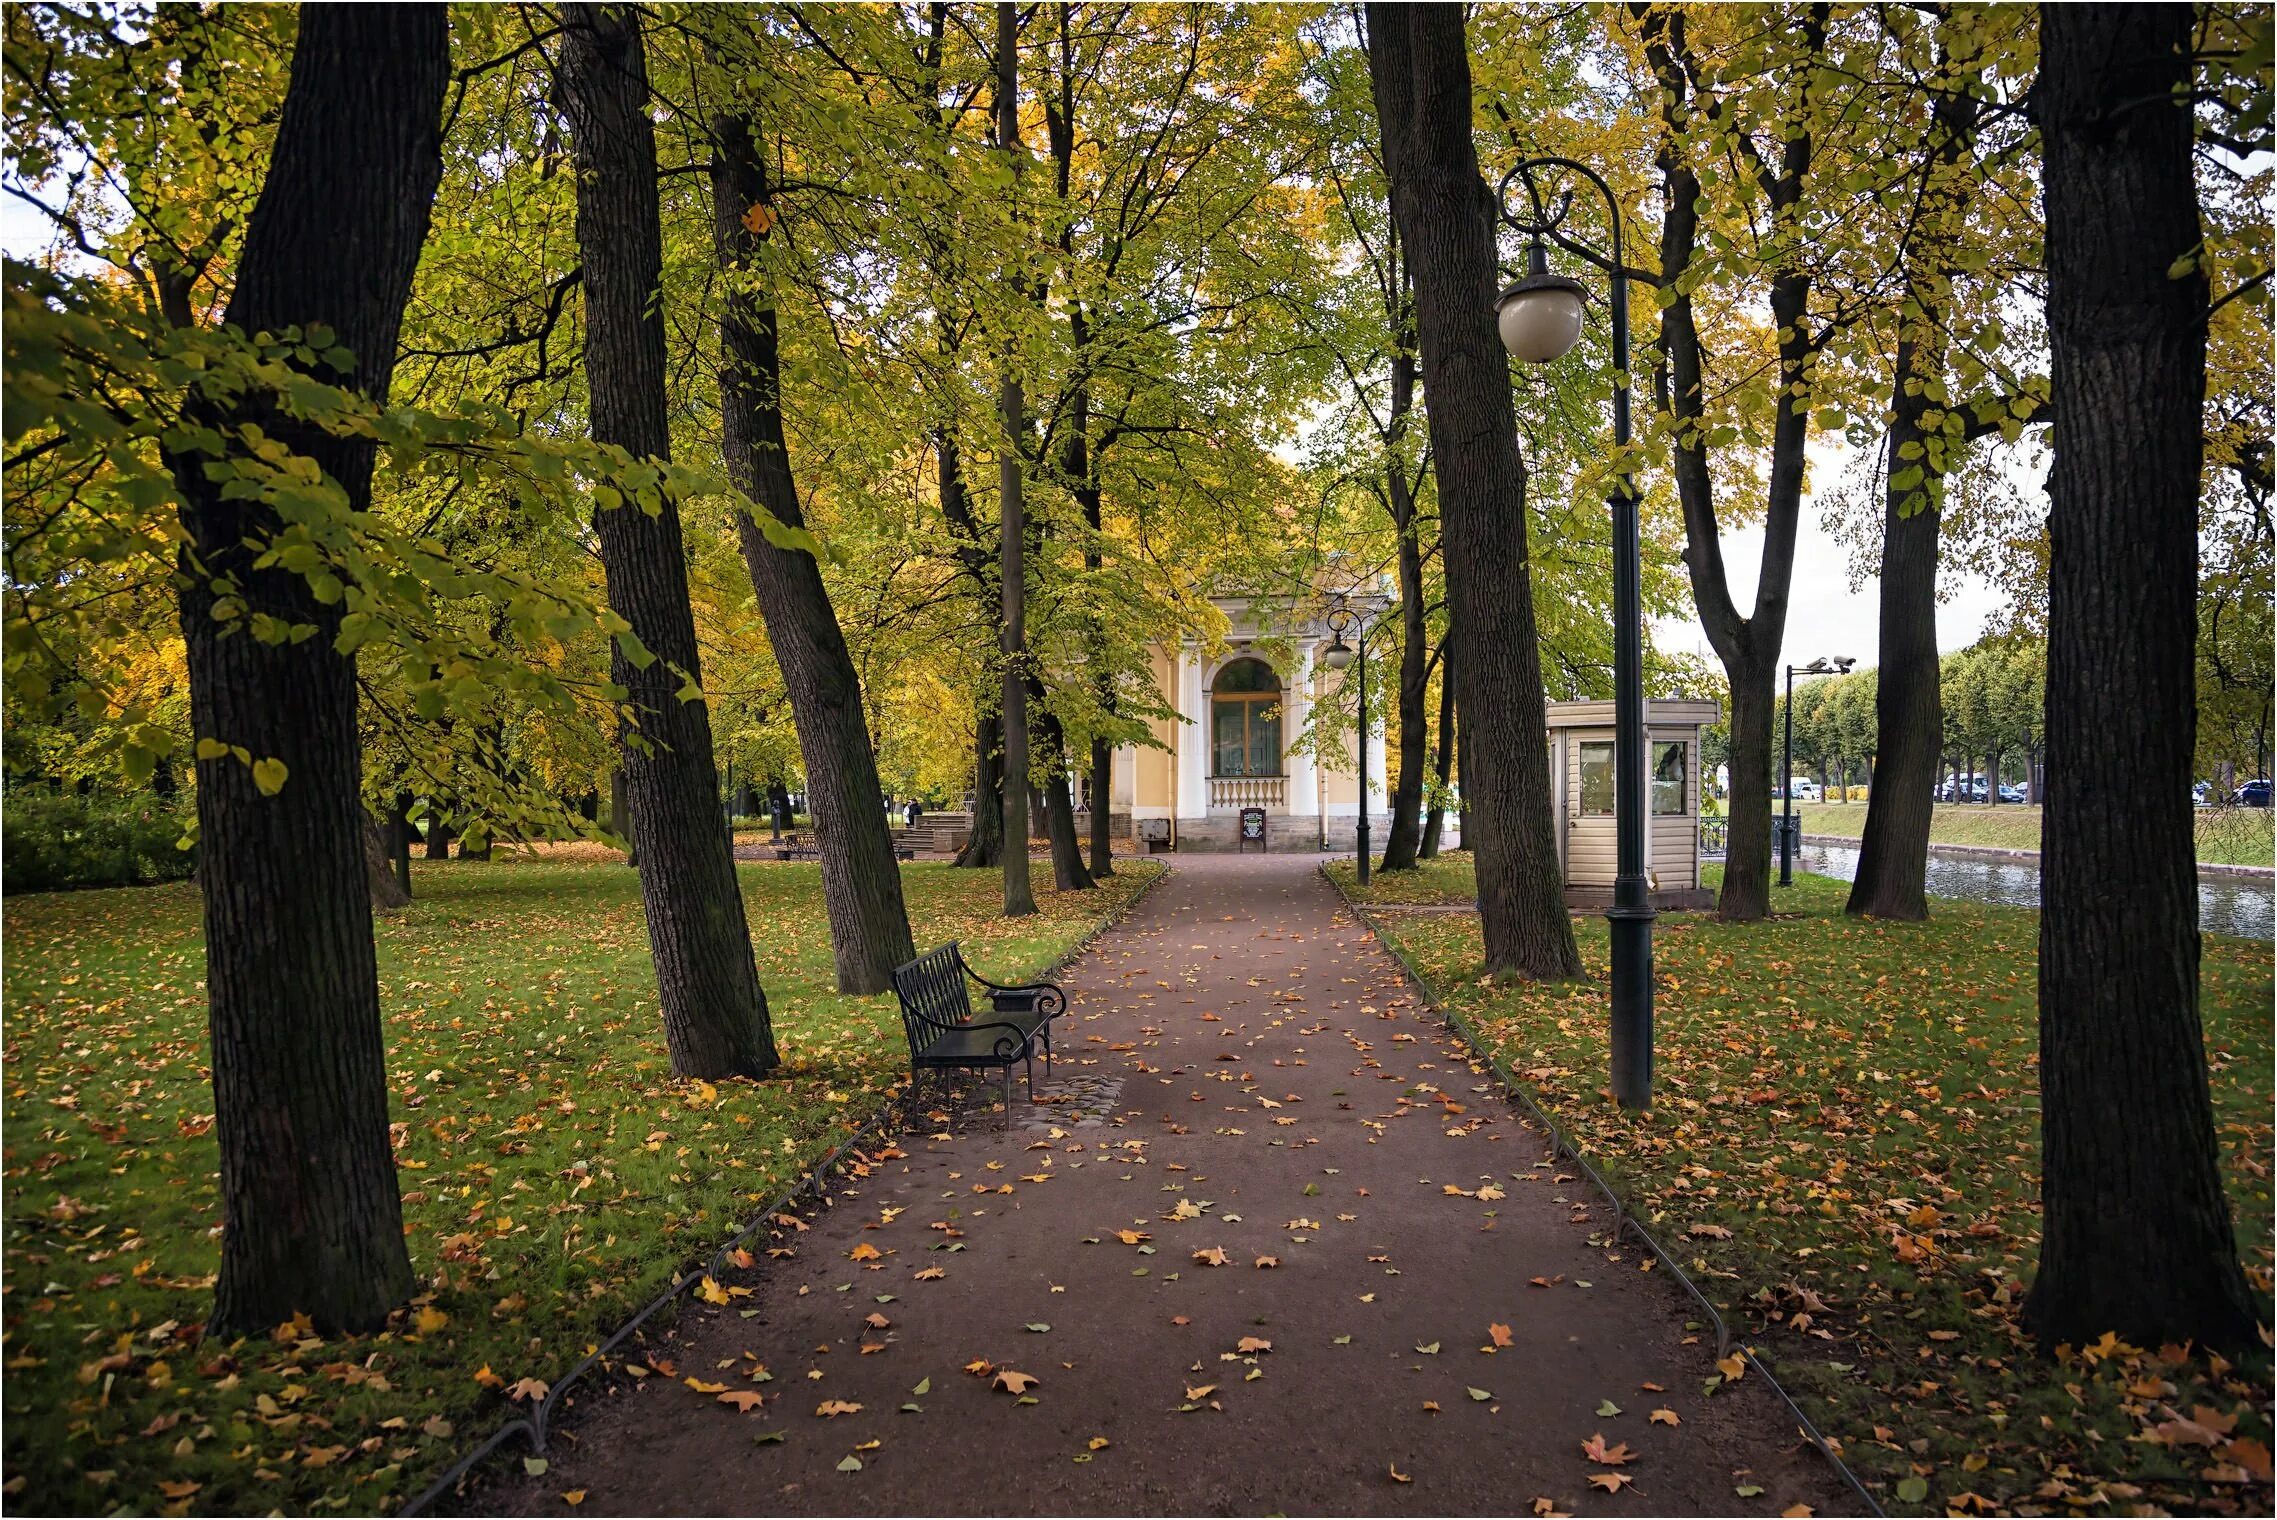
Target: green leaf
1478	1395
850	1464
1913	1490
1606	1408
534	1466
269	776
924	1387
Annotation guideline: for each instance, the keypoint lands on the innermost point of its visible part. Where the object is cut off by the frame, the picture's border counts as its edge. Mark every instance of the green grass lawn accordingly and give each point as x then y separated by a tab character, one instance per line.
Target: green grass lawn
1844	1152
2226	836
554	1174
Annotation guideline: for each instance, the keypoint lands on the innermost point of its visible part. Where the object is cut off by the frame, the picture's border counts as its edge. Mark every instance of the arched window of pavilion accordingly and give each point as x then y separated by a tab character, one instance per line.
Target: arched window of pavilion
1245	720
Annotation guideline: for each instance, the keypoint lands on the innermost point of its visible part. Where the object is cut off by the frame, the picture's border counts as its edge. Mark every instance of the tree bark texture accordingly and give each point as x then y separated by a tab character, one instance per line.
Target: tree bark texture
400	832
715	1015
1420	71
1403	838
312	1221
1435	822
388	893
1068	872
1893	855
1749	646
984	846
861	882
1012	407
2137	1235
1102	803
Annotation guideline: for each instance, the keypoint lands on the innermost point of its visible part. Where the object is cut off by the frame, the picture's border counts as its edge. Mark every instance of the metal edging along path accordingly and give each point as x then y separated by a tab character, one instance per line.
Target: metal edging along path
1624	1219
533	1427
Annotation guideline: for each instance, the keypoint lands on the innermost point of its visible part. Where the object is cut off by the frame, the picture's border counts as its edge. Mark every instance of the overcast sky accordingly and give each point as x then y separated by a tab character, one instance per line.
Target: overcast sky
1824	616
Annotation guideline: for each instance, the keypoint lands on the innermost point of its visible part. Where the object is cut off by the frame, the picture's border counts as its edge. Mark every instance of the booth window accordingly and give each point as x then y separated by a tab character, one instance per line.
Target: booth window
1668	780
1597	776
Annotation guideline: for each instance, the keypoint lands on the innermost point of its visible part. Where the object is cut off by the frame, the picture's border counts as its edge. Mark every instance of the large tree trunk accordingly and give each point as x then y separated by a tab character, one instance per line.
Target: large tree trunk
1463	776
1747	842
399	835
311	1218
1436	821
1068	873
715	1015
861	883
1405	832
2137	1236
984	846
1750	646
1420	70
1012	406
1102	802
388	894
1908	705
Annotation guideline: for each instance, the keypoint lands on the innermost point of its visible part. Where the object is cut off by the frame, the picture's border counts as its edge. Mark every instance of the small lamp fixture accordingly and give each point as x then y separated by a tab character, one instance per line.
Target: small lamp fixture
1337	655
1540	316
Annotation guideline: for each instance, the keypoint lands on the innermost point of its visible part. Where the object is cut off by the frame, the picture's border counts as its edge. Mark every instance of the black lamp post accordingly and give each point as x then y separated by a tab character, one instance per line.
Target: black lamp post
1539	319
1342	618
1824	665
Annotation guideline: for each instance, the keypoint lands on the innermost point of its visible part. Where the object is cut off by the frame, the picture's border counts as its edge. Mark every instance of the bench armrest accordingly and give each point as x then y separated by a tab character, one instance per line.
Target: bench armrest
1009	1045
1048	998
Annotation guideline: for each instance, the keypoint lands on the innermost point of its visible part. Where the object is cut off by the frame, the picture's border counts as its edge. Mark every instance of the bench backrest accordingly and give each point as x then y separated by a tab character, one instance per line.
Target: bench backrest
933	995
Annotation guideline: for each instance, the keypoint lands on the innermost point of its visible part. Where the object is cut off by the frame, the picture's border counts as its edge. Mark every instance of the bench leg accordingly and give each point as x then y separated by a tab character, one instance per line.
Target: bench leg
1032	1073
1008	1095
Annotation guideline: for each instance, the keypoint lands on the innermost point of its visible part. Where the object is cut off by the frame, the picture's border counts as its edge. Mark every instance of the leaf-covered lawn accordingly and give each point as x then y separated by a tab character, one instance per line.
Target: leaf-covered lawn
1844	1152
554	1175
2226	836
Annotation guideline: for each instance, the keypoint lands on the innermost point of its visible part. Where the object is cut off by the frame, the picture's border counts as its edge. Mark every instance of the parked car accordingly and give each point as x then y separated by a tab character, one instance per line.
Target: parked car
1806	790
2202	794
1961	789
2011	792
2254	793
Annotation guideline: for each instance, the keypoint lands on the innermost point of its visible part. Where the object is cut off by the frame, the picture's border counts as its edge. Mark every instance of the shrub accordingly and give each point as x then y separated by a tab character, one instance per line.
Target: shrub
52	840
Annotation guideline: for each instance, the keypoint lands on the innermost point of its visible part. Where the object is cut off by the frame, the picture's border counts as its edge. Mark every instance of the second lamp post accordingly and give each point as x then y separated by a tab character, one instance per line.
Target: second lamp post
1342	617
1838	665
1539	319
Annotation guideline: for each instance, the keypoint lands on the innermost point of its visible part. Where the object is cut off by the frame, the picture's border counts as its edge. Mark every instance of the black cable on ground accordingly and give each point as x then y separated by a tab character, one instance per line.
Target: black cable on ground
534	1426
1624	1219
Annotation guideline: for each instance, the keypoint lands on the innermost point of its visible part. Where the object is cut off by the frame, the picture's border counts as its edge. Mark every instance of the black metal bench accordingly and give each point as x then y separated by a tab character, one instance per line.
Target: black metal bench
937	1016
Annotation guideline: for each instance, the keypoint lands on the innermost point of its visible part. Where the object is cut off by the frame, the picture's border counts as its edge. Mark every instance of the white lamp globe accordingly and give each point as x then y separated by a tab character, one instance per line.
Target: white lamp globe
1539	318
1337	655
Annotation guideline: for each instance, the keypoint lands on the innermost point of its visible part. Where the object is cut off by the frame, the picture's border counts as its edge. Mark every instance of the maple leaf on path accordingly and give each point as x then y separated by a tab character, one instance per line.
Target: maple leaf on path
1596	1450
1612	1482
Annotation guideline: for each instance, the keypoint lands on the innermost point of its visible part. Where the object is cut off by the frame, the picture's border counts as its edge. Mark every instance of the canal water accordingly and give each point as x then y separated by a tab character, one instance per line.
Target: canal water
2242	905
